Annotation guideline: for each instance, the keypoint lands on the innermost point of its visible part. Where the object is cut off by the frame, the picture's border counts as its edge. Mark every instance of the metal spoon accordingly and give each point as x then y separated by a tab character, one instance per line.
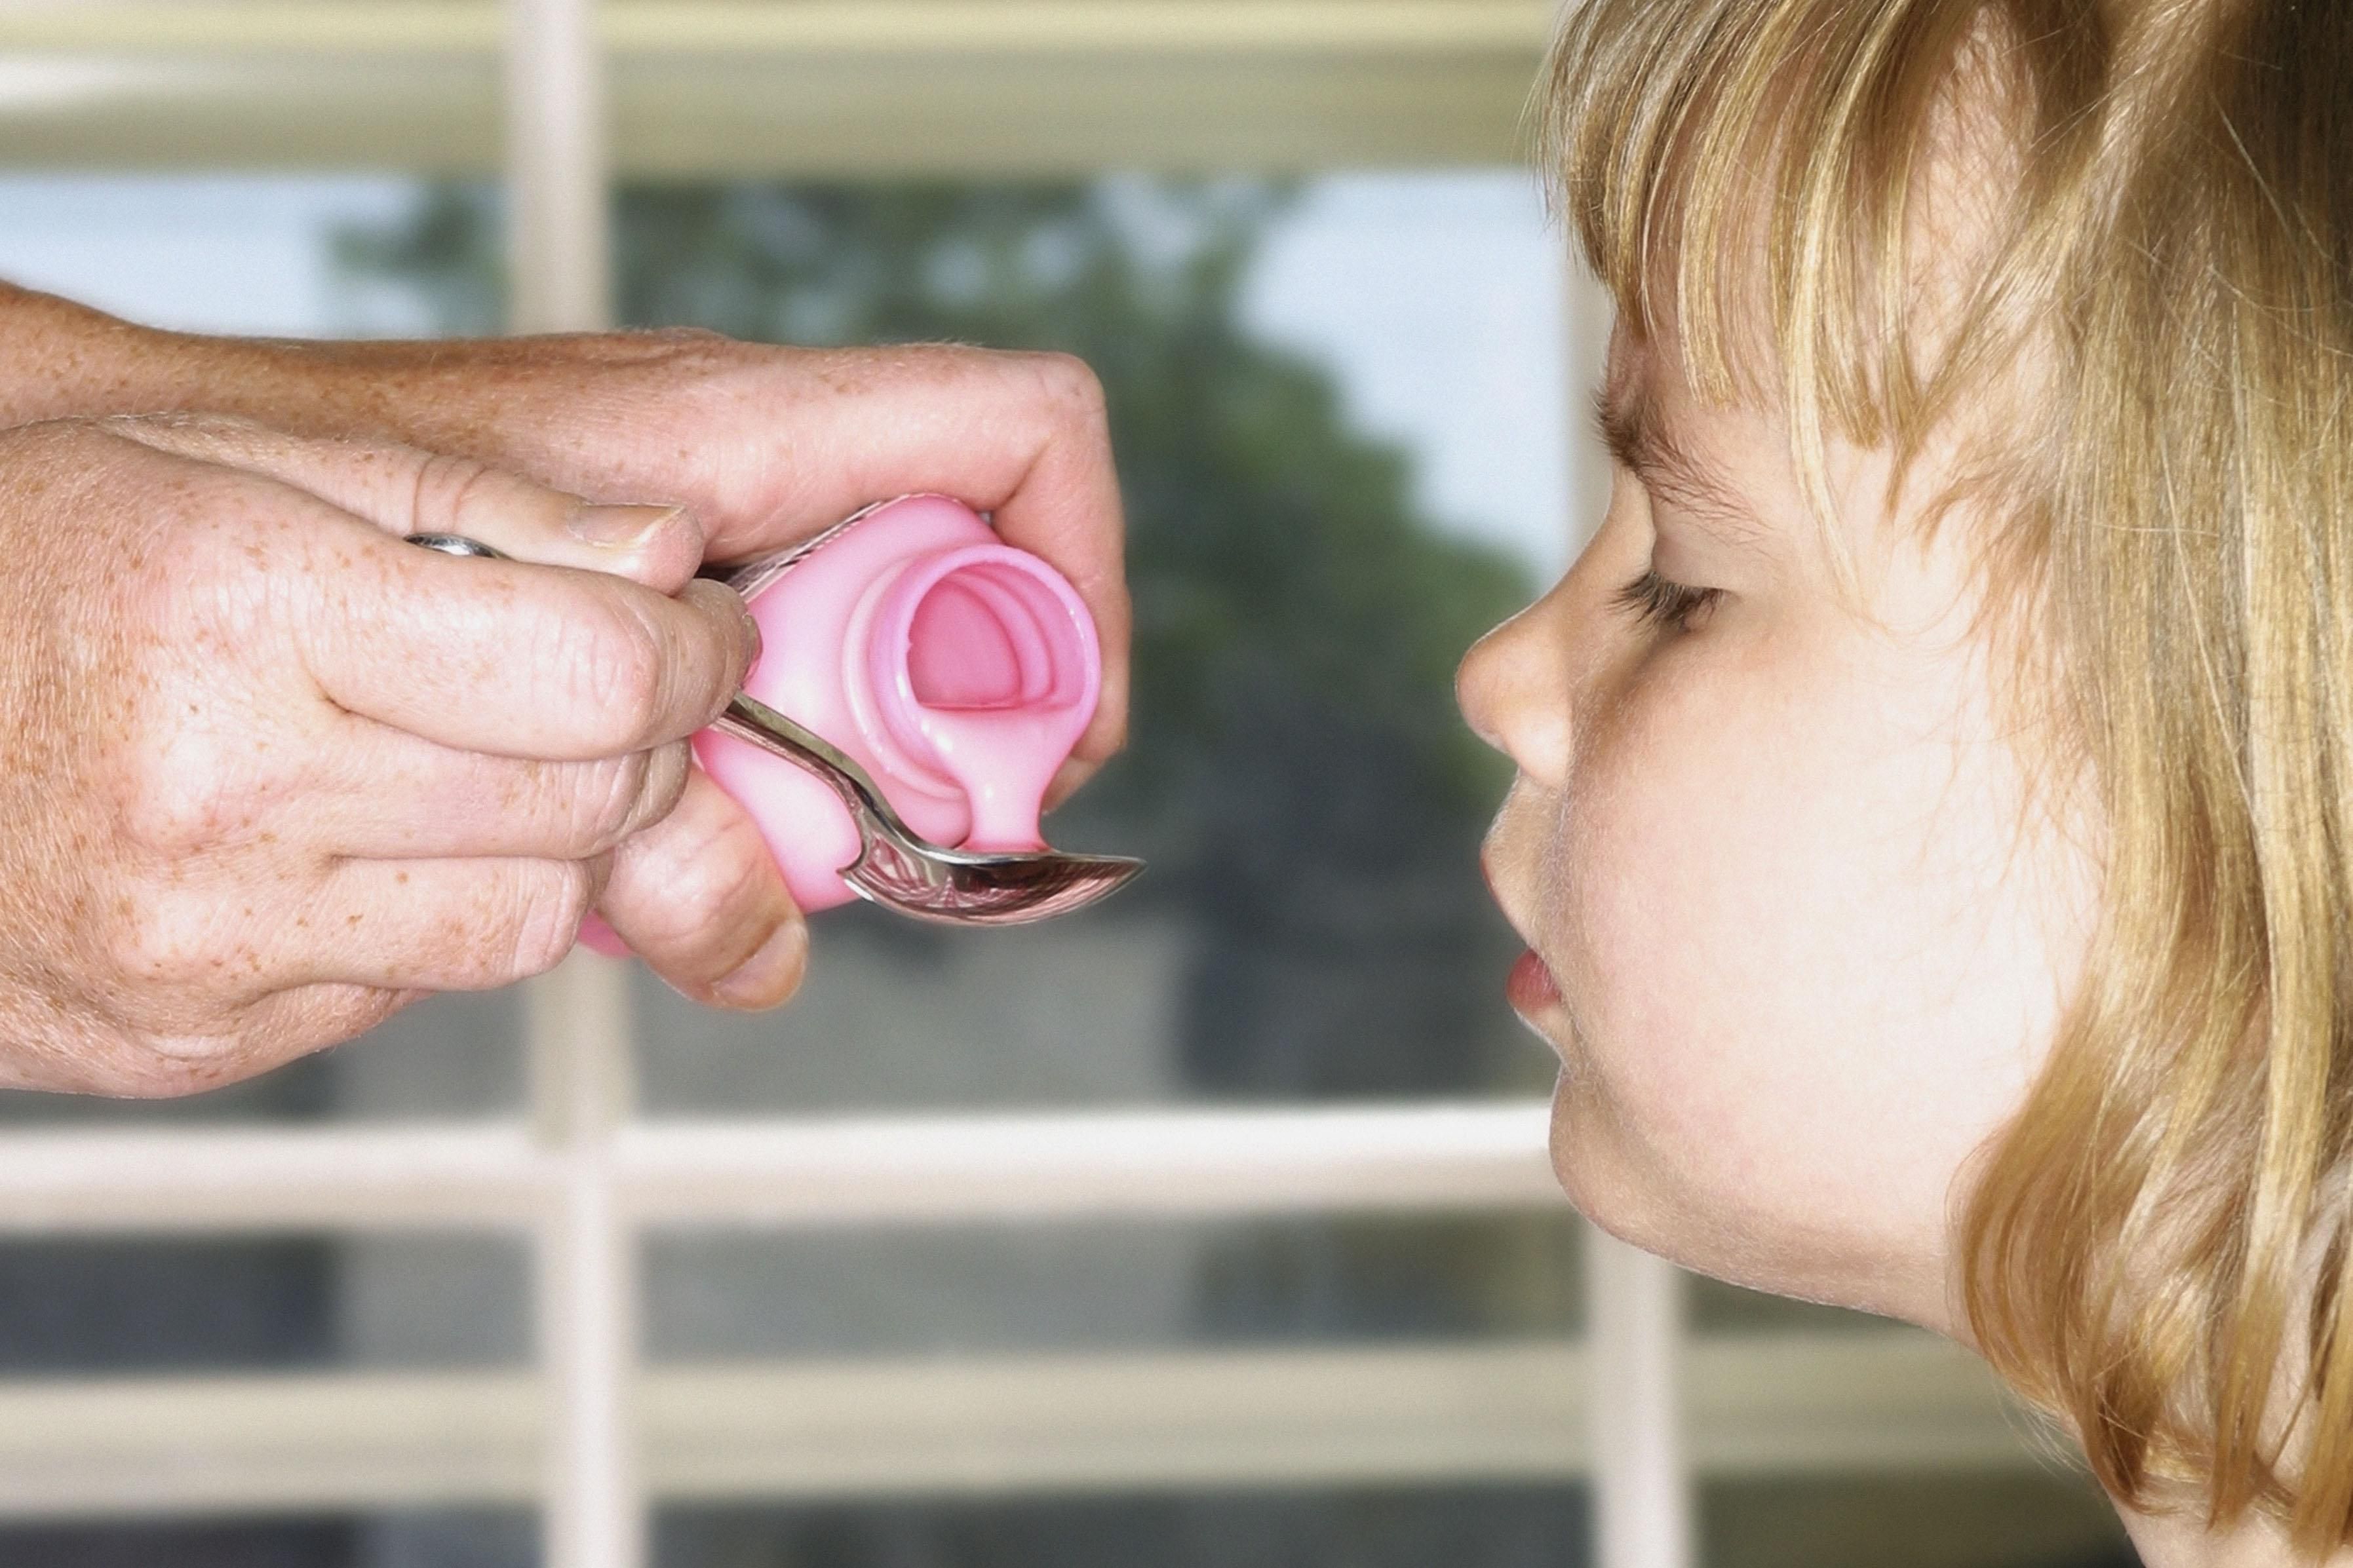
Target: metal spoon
895	867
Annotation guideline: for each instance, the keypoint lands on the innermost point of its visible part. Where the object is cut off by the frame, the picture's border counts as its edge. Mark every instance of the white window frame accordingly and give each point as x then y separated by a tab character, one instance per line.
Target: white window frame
593	1439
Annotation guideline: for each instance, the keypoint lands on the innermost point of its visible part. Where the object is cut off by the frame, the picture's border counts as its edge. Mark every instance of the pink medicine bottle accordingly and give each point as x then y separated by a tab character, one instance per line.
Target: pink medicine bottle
957	669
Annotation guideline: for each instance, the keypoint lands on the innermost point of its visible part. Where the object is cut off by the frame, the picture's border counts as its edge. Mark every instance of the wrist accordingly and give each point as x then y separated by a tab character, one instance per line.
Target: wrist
61	360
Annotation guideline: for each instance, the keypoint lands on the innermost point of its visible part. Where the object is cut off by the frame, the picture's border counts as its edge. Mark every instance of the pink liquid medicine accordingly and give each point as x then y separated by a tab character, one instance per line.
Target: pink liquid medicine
959	670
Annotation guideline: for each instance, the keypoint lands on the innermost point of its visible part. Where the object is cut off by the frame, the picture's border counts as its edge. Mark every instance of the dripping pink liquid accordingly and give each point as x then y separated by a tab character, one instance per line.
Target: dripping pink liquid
979	673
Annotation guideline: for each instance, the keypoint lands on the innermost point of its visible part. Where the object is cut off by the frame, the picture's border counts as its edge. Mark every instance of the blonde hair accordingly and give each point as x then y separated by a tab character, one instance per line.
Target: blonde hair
2157	1247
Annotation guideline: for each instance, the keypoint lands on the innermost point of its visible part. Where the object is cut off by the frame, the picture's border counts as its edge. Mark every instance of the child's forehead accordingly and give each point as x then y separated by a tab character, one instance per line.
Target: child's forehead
1742	238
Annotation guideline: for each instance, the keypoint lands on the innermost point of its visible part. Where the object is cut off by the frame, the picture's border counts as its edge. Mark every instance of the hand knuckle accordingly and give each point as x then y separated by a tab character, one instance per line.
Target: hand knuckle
452	487
188	793
604	800
544	906
613	673
167	941
266	1033
174	560
124	1058
705	884
198	578
1071	385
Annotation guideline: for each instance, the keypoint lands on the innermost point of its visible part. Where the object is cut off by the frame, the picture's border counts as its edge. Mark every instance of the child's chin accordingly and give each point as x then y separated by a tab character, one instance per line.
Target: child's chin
1582	1161
1607	1184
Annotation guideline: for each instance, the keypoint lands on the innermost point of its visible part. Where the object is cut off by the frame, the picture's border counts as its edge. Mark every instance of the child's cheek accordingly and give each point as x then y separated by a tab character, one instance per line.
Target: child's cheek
1739	845
1680	834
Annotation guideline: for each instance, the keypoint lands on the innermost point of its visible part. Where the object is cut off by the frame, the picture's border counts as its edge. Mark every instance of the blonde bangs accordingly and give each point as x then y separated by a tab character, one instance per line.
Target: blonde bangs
1668	131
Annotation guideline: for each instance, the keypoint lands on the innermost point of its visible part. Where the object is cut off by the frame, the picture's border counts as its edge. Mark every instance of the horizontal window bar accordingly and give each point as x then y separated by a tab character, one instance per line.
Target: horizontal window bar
1898	1401
265	1178
873	88
1193	1164
777	1173
973	28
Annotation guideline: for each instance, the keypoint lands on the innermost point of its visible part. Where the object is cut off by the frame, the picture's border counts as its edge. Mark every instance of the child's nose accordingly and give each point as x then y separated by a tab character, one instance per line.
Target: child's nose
1513	688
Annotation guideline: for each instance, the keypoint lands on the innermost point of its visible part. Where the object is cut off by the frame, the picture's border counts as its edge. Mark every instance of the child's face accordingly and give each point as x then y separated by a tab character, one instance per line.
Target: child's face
1797	934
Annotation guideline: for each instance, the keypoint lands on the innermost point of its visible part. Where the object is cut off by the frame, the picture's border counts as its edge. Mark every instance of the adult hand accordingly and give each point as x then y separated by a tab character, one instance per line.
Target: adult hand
272	771
767	446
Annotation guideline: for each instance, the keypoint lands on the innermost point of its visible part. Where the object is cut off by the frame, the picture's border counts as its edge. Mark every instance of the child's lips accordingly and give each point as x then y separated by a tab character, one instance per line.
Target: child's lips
1531	987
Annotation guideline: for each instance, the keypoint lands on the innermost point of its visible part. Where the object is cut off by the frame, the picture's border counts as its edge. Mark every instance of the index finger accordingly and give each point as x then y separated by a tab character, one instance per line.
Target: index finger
515	659
1020	436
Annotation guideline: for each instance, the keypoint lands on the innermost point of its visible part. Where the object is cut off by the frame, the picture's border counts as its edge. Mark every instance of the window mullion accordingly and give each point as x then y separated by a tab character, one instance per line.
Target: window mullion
1641	1478
558	230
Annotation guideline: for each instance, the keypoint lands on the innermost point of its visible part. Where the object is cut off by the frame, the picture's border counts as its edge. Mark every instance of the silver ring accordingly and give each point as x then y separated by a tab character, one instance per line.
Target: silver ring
456	545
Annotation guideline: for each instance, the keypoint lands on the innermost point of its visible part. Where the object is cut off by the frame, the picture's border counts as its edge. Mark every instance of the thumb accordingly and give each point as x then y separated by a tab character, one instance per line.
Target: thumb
404	491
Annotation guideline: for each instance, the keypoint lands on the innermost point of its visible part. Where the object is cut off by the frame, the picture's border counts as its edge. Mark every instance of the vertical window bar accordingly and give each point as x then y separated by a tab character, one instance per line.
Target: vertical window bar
558	280
558	224
585	1275
1641	1487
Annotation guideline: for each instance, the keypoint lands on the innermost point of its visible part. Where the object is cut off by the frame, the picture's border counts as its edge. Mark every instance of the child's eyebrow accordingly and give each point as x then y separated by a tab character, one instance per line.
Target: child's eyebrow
1637	436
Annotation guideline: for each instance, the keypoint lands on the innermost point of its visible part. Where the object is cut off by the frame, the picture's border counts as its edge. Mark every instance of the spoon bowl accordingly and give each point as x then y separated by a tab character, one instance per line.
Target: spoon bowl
909	873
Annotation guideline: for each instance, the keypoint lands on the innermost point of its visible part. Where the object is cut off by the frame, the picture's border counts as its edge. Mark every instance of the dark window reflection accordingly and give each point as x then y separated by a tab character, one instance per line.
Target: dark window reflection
133	1307
1484	1527
2023	1521
462	1540
147	1305
1039	1288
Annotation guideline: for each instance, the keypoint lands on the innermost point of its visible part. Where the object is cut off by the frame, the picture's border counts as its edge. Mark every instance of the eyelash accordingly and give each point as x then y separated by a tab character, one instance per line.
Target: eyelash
1655	601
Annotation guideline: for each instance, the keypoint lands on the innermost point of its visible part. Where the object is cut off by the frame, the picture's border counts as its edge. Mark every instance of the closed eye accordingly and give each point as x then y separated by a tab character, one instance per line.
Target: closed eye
1656	601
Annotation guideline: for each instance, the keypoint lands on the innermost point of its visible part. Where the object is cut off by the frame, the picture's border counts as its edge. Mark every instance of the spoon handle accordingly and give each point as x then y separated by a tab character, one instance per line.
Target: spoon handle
750	719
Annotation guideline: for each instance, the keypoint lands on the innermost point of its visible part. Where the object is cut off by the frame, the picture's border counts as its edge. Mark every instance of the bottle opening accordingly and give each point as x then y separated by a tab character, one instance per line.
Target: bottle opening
991	635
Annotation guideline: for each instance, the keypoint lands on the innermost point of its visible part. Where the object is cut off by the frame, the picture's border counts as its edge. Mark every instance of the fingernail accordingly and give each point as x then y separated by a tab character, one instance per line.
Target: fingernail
750	625
770	975
620	527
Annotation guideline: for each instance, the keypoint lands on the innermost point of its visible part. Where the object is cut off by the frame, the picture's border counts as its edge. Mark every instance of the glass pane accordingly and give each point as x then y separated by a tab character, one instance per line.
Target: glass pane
142	1305
389	1541
2022	1520
1341	426
216	253
1463	1527
1005	1290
